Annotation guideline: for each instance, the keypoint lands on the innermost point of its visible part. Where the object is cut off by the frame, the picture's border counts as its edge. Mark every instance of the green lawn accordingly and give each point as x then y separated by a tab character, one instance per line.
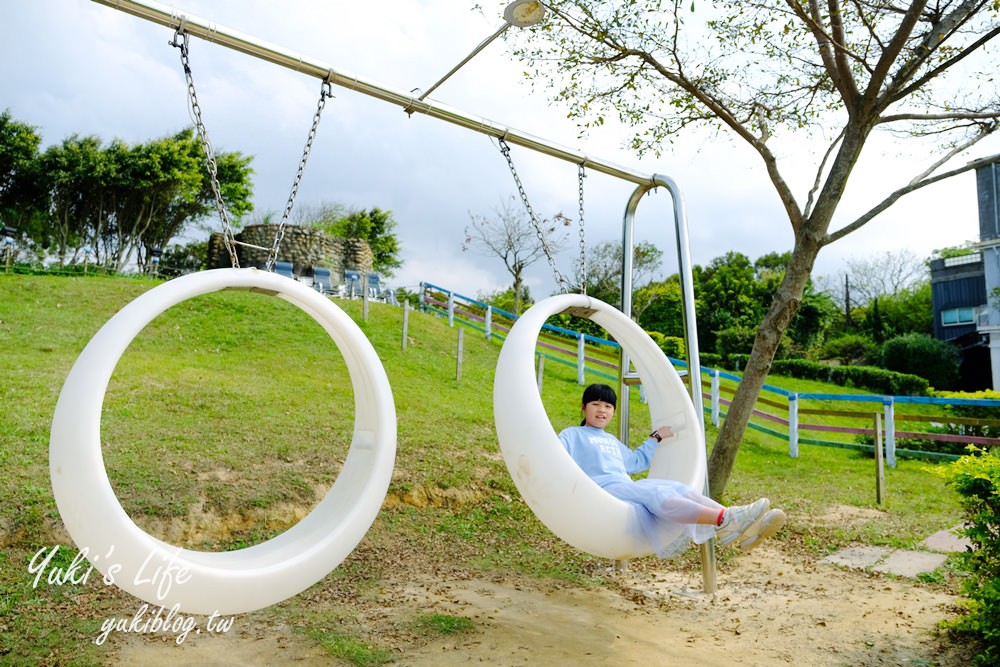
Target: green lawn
238	406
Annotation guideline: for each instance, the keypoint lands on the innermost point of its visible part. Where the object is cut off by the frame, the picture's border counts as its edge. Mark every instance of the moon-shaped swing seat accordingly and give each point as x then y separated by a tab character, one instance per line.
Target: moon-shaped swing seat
234	581
560	494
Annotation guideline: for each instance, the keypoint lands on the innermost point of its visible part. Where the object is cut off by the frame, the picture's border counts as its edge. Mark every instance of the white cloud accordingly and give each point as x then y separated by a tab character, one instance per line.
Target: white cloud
89	69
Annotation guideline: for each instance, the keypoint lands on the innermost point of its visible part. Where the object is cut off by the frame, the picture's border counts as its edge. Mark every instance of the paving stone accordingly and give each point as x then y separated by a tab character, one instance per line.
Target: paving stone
946	541
910	563
858	557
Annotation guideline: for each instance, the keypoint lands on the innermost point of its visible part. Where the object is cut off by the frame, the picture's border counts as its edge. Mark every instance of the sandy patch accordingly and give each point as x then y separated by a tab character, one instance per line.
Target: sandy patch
769	610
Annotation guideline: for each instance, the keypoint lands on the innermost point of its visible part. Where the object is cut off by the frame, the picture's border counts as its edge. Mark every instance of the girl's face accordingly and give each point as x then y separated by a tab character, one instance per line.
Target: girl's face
598	414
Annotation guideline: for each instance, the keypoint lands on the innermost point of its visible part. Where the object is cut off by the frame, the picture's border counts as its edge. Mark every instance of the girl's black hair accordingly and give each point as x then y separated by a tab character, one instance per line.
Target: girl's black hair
599	392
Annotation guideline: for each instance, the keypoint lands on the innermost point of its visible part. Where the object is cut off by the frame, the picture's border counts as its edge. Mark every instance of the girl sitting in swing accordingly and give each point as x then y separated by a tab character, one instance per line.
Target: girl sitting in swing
668	513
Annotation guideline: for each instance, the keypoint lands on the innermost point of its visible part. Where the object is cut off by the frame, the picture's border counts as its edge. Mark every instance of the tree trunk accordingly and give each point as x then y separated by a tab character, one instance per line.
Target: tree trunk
518	286
783	308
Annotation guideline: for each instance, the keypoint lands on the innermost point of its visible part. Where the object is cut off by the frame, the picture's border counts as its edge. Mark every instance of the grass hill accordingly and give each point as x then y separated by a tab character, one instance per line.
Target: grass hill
228	417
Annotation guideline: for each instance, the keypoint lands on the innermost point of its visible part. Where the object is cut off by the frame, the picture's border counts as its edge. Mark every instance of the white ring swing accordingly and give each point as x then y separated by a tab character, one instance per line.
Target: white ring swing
224	582
560	494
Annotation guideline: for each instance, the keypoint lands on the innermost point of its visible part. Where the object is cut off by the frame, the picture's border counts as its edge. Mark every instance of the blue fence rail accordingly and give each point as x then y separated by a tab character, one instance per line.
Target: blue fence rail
600	357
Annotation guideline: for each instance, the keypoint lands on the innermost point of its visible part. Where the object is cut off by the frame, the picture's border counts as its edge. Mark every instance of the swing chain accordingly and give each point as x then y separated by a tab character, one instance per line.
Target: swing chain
326	90
560	278
581	174
181	41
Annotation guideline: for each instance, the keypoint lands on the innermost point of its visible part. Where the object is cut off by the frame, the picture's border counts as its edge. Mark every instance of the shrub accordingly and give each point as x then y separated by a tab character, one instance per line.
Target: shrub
975	411
710	359
862	377
935	360
849	349
977	479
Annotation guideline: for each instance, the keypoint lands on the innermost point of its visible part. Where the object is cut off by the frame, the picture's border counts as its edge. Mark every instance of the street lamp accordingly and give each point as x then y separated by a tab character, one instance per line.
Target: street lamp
520	13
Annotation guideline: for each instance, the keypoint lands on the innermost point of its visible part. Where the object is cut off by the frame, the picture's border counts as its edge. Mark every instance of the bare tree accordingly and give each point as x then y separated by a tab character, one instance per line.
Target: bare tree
772	72
884	274
515	240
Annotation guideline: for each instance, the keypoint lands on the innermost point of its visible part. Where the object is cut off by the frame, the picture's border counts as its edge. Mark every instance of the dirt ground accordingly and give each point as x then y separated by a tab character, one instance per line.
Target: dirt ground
769	610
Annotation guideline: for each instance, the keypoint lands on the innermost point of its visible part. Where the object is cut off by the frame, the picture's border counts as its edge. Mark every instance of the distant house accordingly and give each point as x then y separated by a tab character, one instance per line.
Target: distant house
962	291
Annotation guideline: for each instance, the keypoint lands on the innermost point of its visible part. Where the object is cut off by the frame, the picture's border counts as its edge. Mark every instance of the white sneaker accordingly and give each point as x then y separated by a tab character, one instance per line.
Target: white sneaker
768	525
737	519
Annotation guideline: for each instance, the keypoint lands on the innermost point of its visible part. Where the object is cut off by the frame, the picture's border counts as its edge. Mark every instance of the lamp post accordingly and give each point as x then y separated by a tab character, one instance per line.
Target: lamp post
520	13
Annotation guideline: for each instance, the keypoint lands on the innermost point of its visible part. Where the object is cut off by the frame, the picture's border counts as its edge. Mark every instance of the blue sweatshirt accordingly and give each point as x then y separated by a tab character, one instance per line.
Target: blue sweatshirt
603	456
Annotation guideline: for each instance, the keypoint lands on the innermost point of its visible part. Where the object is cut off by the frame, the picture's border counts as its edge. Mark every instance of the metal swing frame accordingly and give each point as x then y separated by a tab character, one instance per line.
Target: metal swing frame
212	32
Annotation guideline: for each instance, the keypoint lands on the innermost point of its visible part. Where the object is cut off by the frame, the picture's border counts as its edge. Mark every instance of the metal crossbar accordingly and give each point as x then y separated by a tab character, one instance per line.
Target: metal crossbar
213	32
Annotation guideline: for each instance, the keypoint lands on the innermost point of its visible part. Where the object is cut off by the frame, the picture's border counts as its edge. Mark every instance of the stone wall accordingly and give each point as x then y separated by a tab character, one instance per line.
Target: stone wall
304	247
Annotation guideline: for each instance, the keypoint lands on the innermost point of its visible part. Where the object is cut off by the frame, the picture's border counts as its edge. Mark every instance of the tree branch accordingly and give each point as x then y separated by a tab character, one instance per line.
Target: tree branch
831	52
957	115
722	111
848	85
915	85
936	35
920	181
819	174
891	52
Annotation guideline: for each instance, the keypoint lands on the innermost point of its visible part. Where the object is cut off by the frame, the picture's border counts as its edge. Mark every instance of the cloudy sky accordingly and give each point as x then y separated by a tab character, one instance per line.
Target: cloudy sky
76	66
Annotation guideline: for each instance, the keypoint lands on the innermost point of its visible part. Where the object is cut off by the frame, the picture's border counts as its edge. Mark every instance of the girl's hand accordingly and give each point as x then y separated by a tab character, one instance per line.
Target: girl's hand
662	433
667	431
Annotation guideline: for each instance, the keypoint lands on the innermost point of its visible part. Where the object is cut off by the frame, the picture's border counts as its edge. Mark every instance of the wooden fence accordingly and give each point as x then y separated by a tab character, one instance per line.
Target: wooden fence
787	415
880	418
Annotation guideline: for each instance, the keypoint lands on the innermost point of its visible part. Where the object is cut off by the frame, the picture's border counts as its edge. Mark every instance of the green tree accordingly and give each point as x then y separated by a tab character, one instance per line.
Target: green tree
908	311
886	316
967	248
771	72
178	192
179	259
19	195
77	177
815	317
663	311
122	201
727	297
377	228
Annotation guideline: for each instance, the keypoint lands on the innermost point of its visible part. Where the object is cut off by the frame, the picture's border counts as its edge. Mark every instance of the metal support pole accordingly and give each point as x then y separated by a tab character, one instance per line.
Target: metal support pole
686	275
